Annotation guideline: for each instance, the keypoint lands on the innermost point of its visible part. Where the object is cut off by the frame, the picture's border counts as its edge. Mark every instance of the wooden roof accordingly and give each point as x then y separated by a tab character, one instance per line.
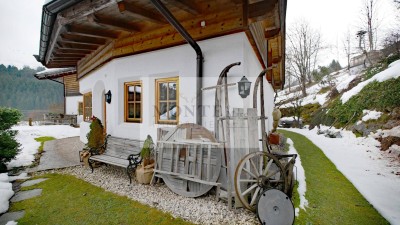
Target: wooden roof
92	32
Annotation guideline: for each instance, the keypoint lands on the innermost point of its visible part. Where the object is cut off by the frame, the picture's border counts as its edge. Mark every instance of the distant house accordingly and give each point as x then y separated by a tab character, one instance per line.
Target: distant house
155	56
73	99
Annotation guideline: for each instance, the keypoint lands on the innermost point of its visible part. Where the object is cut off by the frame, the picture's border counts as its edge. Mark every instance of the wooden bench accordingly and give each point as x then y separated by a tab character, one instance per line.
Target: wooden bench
120	152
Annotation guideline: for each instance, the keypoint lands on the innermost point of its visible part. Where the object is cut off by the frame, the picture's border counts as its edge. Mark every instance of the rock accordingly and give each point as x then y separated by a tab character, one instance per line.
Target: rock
395	113
386	142
390	124
365	129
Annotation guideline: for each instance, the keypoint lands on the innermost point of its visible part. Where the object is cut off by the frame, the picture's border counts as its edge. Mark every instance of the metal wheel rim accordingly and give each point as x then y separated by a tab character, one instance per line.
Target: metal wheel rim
253	182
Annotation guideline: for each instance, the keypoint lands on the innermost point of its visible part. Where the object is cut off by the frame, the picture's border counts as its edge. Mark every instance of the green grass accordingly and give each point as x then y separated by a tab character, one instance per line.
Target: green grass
332	199
42	140
379	96
68	200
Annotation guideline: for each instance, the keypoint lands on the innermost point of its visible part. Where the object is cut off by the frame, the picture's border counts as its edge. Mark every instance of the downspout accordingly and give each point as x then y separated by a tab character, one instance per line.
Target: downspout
199	70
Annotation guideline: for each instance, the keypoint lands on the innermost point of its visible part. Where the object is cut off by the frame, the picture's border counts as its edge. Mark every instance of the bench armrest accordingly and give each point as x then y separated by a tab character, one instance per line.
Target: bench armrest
134	159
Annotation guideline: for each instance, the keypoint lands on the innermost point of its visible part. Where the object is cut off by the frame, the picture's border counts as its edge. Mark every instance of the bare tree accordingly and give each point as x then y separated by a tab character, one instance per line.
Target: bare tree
303	47
369	17
347	47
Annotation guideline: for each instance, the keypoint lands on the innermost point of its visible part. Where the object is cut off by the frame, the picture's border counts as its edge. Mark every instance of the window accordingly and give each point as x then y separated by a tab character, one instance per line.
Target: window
133	101
87	106
167	92
80	108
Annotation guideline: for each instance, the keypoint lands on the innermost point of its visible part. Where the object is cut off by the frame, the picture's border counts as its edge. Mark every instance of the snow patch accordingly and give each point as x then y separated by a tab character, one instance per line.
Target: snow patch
11	223
362	162
301	178
6	193
371	115
395	131
393	71
29	146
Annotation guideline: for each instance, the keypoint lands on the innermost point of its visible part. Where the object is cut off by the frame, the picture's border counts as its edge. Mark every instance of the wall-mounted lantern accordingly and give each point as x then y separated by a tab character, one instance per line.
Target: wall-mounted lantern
108	96
244	87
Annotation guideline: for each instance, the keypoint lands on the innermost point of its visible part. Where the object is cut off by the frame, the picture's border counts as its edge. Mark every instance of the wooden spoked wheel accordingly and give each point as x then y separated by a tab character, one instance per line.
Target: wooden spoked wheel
255	173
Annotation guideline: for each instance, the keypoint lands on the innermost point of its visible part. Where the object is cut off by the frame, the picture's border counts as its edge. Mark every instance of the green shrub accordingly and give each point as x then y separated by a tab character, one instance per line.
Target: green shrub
308	112
381	96
9	147
96	134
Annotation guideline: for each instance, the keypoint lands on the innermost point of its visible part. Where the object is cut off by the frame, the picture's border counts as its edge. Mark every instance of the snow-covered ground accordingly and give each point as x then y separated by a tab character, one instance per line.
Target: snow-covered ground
371	171
29	147
391	72
6	189
341	79
301	178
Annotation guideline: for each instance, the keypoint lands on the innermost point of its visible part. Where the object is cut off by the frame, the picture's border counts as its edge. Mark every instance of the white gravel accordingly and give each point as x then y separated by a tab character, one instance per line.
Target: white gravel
201	210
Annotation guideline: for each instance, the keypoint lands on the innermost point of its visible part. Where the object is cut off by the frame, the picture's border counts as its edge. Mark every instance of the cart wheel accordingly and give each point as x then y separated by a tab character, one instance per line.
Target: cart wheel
275	207
255	173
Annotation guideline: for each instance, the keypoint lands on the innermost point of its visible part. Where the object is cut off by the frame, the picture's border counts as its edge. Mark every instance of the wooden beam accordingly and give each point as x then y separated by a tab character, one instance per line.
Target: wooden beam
261	9
113	23
186	5
83	40
89	32
66	58
62	40
77	46
71	55
271	33
141	13
61	50
64	61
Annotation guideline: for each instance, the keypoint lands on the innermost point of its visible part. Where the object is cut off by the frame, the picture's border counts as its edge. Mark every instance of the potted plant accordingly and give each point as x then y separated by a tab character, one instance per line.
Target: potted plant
144	172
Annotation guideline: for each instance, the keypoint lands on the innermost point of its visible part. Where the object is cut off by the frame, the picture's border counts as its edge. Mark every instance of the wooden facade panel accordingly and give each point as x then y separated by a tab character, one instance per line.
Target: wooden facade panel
71	85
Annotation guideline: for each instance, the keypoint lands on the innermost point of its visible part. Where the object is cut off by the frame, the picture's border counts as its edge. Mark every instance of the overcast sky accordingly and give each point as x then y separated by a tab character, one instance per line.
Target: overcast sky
20	25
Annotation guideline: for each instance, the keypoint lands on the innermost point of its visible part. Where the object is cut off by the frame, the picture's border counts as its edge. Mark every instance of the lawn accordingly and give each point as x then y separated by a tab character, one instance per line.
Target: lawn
68	200
332	199
42	140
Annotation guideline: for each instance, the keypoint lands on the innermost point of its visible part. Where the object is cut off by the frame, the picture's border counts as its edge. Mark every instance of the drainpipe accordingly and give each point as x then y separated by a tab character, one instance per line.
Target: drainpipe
199	70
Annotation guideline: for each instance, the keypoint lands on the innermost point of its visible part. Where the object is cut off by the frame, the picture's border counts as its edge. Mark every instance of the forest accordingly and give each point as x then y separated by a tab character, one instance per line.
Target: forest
21	90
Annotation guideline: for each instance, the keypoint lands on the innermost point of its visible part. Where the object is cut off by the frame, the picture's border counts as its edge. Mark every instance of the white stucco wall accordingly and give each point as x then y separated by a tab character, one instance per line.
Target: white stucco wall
171	62
72	104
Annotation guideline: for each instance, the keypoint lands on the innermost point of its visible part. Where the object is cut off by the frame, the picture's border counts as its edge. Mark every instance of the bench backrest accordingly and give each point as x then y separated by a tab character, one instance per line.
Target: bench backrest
122	147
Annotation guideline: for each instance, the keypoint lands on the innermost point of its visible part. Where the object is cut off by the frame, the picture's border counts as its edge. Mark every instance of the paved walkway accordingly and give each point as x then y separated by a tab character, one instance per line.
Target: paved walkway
59	153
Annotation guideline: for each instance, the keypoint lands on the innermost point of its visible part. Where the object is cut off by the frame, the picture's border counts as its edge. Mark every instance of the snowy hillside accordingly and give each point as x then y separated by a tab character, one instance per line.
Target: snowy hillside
341	79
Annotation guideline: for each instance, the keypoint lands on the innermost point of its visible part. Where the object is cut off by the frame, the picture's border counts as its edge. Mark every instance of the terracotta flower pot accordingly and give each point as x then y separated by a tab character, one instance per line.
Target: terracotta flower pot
273	138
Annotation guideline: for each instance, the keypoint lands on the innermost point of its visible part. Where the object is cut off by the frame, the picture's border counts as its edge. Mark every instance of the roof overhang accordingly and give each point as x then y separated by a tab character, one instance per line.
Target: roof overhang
54	73
88	33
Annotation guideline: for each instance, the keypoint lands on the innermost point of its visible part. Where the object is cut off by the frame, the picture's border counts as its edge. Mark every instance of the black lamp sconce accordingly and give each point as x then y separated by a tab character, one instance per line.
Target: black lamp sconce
108	96
244	87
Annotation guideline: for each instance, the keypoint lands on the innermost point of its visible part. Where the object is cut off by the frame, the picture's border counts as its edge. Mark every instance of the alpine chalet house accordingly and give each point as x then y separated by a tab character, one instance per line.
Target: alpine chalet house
150	58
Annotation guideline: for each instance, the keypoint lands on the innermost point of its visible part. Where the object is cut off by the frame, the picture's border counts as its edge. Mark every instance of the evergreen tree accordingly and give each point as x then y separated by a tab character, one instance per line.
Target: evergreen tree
9	147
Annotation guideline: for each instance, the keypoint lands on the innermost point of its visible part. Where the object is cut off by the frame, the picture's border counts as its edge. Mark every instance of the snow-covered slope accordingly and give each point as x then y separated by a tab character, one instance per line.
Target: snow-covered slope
341	79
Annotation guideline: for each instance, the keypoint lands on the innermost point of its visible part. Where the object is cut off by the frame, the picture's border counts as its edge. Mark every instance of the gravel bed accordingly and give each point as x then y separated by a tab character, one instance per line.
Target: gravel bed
201	210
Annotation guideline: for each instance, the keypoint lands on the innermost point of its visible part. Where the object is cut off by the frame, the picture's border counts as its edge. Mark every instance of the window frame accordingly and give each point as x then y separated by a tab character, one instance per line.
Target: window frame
85	96
126	85
157	100
80	108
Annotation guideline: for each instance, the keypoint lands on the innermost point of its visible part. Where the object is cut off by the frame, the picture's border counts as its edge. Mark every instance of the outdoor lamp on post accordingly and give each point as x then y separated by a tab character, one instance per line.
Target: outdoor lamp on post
108	96
244	87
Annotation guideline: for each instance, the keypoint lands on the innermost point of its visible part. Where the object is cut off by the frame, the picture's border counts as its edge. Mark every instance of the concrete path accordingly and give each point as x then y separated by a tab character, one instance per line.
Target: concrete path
59	153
